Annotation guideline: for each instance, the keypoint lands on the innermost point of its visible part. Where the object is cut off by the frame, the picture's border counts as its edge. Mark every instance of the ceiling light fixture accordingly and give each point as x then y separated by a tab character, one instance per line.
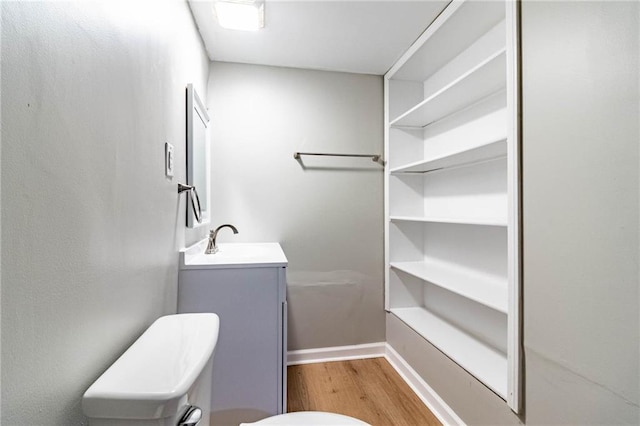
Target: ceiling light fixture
244	15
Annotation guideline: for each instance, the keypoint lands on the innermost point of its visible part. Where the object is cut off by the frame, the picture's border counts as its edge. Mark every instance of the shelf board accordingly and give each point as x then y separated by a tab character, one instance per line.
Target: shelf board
484	79
460	25
484	289
489	151
453	220
482	361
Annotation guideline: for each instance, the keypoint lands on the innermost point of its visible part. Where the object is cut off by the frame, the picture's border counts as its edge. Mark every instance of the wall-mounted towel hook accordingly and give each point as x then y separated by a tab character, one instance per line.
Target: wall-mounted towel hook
193	195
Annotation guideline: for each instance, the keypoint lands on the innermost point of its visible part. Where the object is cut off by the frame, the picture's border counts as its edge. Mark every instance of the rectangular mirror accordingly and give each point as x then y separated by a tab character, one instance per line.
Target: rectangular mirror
198	172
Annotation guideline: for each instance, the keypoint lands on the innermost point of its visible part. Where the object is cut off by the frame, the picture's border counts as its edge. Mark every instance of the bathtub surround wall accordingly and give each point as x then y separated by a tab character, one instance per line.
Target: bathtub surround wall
580	226
91	91
326	212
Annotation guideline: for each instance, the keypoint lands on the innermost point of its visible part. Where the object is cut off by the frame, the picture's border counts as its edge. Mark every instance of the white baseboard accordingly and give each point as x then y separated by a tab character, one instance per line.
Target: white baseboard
336	353
429	397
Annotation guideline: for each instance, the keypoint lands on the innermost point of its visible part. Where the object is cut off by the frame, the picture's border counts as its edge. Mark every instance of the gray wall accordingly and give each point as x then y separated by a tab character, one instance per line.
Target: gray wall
581	206
90	225
328	214
580	224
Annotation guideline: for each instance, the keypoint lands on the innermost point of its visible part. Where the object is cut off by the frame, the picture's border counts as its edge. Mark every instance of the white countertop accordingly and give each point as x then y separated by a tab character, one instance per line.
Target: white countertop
233	255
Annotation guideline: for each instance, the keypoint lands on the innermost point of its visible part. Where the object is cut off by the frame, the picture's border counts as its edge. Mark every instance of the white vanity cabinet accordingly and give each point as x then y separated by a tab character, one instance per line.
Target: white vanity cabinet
245	285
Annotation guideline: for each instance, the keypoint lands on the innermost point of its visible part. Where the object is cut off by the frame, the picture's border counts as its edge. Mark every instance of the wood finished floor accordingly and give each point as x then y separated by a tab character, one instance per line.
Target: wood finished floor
367	389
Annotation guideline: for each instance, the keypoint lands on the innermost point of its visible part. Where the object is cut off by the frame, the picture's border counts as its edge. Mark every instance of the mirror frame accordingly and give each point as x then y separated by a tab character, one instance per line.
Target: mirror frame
197	111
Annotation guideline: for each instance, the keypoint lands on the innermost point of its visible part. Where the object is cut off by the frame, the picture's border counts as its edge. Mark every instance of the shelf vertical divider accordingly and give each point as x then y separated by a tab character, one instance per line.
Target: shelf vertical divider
514	319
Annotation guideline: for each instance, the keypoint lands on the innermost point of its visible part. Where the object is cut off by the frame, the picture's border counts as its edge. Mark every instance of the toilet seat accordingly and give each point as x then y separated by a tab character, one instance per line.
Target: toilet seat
309	418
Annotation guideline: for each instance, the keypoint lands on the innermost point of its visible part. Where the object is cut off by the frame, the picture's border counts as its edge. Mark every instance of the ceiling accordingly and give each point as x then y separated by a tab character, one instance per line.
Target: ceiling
358	36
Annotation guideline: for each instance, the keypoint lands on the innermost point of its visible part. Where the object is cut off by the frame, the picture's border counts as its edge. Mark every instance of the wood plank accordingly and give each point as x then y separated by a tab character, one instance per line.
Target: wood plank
486	289
483	80
450	219
369	390
477	154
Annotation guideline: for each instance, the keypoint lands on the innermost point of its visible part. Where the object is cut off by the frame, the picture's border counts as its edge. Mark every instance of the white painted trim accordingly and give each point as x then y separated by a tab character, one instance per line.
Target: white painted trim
444	16
514	344
429	397
336	353
387	259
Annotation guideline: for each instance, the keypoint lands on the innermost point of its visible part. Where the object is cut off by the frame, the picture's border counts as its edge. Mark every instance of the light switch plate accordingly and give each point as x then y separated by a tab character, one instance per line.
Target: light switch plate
168	159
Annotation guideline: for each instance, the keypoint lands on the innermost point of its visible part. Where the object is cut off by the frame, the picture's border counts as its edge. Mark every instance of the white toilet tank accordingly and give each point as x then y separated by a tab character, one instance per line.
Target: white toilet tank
164	376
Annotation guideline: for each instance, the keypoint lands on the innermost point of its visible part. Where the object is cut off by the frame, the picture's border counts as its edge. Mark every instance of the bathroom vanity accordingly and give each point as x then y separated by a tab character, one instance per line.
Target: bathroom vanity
245	285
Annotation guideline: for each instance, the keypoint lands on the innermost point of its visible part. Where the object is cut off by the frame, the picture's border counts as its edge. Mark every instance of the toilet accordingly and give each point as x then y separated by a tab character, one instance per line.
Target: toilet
164	379
308	418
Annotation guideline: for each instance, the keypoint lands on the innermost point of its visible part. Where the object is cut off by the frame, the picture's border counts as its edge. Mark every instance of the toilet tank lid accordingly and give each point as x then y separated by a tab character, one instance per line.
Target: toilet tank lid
151	379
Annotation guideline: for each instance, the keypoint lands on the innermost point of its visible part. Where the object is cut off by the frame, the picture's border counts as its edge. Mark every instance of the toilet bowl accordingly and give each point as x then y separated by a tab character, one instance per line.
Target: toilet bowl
309	418
163	379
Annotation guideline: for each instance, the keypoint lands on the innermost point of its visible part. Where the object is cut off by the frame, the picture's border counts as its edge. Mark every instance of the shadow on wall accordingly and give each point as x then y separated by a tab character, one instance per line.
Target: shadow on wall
335	304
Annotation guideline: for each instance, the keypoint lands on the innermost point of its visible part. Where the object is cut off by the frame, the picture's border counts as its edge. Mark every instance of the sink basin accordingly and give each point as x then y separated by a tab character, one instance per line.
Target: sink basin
232	255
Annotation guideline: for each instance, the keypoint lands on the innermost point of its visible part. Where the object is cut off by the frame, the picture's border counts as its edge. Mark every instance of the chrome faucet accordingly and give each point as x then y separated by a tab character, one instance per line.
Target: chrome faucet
211	246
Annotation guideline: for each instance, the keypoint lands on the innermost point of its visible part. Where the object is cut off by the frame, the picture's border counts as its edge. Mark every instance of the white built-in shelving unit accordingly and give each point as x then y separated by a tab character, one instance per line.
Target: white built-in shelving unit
451	201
